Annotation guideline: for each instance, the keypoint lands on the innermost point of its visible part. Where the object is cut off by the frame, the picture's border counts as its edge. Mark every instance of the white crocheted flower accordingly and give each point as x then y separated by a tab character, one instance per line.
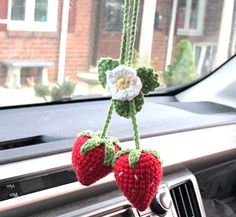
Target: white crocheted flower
123	83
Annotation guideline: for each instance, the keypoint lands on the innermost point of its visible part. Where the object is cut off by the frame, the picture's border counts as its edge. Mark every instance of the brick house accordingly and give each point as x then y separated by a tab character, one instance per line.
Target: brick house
73	34
30	39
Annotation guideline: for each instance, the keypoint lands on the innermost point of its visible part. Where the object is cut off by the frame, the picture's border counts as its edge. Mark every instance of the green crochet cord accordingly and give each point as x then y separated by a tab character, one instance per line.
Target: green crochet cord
130	59
125	32
108	120
133	31
135	126
122	61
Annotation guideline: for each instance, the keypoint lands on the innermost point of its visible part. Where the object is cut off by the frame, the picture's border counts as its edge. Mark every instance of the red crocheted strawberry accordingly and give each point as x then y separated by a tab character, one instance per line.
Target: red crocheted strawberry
138	175
92	157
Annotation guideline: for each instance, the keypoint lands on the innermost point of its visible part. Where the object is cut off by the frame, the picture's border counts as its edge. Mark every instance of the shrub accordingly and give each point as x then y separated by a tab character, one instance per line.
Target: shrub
183	68
42	91
58	92
68	87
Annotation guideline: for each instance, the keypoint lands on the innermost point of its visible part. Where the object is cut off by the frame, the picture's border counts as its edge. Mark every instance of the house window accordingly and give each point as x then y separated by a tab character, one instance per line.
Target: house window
32	15
41	10
204	56
18	10
113	15
190	17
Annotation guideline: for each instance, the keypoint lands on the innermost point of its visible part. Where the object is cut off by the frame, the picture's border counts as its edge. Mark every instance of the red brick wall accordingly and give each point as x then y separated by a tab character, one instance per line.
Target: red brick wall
45	45
81	43
31	45
109	42
3	12
211	27
78	43
213	19
160	37
211	30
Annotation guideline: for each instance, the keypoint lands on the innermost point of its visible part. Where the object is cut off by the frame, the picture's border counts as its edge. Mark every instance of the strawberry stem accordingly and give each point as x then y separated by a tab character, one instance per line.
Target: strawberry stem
135	126
133	31
122	59
125	32
108	120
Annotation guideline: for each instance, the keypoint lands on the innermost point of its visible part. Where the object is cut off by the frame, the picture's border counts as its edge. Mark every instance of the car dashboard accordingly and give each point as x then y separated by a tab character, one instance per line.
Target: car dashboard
194	139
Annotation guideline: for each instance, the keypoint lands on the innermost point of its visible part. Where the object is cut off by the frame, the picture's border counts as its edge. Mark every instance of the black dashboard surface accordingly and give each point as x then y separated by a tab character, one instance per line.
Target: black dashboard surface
58	125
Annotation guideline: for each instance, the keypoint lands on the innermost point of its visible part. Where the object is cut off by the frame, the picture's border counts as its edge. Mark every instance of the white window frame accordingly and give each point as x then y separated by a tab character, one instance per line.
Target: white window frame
200	20
29	24
203	47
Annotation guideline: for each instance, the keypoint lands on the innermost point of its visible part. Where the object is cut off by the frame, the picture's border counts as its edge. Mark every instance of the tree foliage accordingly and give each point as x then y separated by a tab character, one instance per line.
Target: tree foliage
183	68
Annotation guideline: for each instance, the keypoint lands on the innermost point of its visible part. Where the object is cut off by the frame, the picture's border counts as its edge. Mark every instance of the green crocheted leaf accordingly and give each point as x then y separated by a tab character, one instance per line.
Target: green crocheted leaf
149	79
109	154
139	101
115	141
154	153
123	108
111	139
134	157
104	65
95	141
120	153
89	145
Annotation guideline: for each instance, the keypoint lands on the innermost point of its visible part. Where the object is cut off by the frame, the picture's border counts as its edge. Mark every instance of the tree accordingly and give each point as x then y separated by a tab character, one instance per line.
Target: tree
183	69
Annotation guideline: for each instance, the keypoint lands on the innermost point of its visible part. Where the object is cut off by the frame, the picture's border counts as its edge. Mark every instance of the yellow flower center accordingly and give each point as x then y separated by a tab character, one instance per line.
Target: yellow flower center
122	83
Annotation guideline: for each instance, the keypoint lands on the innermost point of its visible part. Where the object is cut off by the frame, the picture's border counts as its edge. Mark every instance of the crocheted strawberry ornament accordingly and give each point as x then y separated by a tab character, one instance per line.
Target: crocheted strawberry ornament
138	175
137	172
92	156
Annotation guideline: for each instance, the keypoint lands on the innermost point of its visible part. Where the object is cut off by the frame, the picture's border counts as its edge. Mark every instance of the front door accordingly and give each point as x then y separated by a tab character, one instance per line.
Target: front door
108	29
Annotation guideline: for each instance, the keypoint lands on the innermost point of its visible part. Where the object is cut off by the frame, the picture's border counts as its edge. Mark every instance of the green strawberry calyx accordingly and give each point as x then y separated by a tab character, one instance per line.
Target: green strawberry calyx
97	140
134	155
87	133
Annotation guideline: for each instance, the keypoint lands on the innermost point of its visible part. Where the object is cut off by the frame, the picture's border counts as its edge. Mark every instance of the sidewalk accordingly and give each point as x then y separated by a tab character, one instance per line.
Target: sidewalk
26	95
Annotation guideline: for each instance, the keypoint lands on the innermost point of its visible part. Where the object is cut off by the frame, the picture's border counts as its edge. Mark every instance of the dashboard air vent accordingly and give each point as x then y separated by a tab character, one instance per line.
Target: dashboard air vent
185	200
35	184
21	142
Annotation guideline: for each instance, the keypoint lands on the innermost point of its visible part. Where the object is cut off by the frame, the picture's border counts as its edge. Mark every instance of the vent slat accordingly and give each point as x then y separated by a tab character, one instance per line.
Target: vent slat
185	214
185	201
175	202
189	199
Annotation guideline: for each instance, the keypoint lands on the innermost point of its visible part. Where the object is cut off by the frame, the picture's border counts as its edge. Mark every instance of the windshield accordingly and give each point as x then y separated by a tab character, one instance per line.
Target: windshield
49	48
